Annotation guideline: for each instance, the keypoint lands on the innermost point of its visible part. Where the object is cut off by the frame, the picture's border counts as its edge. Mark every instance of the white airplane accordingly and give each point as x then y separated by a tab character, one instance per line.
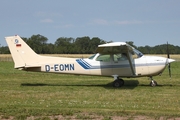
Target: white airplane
117	59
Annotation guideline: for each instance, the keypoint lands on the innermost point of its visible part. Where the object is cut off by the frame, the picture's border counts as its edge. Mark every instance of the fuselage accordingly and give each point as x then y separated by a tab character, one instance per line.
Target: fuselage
143	66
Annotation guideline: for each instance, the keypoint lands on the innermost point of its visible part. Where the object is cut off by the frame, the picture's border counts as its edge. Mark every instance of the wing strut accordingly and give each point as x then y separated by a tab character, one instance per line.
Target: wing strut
131	65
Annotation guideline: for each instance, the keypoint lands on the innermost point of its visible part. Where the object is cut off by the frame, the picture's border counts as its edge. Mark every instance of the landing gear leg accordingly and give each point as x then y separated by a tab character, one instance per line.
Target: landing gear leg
118	82
153	83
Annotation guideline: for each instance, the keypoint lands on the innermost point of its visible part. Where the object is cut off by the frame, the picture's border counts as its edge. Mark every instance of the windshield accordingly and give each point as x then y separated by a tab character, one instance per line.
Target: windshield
91	57
138	53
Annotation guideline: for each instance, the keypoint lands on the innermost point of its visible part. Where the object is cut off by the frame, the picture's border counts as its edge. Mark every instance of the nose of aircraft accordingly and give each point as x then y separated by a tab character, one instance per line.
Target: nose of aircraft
170	60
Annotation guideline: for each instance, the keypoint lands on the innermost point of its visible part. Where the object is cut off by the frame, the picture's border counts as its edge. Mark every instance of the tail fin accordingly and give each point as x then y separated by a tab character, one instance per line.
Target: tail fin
21	53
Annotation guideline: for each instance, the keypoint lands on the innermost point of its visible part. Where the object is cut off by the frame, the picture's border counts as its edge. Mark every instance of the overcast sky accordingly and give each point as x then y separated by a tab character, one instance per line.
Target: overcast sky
145	22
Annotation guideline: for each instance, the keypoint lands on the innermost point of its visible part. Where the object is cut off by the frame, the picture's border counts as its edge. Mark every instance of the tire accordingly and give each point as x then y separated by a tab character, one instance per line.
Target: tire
153	83
118	83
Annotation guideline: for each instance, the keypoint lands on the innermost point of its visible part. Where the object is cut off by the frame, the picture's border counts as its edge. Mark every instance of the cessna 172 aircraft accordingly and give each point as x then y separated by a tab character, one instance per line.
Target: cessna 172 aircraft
117	59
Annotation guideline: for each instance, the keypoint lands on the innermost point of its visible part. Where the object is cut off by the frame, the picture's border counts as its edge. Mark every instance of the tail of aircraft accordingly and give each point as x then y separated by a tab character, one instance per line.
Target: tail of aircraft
23	56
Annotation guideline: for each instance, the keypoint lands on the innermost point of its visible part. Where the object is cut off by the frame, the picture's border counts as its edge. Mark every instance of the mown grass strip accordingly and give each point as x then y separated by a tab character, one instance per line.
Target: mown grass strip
24	94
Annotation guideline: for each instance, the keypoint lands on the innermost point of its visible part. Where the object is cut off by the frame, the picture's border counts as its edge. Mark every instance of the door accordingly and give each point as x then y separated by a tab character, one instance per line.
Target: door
105	63
122	65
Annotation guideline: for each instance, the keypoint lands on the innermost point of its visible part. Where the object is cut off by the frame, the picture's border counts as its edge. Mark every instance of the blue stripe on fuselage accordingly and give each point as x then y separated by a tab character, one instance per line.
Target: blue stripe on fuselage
86	65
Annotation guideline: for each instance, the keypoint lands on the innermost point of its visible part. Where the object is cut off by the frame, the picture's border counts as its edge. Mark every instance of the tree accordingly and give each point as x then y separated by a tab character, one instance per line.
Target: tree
94	42
64	45
37	43
131	43
4	50
82	45
146	50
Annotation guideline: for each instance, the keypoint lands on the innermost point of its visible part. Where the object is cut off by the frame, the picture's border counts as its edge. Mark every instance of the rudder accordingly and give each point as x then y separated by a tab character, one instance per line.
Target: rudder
21	53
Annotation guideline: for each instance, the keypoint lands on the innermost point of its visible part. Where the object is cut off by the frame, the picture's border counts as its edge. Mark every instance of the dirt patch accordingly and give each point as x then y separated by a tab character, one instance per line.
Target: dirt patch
6	118
97	117
82	116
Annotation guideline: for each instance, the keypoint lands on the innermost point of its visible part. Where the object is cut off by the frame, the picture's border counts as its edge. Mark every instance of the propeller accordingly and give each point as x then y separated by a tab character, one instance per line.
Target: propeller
168	56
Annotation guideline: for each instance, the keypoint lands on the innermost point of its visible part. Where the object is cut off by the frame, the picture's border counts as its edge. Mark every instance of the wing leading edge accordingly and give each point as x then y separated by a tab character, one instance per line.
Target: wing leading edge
116	47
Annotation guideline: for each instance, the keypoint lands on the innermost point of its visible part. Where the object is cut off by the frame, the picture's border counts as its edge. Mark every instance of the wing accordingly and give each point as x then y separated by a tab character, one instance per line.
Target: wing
115	47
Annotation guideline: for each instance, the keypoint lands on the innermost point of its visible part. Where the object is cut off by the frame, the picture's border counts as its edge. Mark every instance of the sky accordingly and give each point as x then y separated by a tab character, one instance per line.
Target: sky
145	22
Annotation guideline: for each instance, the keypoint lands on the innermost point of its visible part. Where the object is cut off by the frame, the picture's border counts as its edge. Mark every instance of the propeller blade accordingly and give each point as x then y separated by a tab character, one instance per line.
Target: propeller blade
168	56
169	67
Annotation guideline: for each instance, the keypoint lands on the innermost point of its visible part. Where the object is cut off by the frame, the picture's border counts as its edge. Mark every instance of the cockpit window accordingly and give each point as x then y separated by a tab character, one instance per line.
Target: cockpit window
120	57
91	57
136	54
104	58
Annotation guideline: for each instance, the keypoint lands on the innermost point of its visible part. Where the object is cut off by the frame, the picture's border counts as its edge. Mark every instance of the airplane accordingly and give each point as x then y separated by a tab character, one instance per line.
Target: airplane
117	59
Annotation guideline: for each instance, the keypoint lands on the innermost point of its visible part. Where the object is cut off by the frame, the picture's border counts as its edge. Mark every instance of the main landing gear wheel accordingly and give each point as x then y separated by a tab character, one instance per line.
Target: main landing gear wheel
118	83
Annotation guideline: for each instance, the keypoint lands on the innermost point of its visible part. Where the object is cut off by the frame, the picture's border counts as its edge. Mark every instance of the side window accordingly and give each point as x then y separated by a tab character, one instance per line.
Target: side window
103	58
116	57
120	57
134	56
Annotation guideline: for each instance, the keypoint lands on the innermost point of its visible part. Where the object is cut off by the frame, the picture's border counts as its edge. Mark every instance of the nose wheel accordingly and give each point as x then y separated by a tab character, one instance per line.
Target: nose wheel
153	83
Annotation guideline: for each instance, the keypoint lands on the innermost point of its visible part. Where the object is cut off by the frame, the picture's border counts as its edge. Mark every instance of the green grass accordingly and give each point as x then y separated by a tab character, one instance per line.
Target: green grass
24	94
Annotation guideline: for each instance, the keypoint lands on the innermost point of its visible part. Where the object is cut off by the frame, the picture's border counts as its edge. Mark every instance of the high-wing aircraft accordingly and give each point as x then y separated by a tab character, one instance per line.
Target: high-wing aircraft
117	59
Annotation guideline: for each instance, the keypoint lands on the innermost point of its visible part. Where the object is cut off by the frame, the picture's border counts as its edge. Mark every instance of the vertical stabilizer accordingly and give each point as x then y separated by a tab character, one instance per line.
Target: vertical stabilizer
21	53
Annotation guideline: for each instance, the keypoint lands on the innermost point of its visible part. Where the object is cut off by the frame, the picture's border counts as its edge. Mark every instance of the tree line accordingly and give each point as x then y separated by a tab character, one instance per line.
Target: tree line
82	45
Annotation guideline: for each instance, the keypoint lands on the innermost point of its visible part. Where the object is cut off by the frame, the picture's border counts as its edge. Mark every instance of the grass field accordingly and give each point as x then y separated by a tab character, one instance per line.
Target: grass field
30	95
